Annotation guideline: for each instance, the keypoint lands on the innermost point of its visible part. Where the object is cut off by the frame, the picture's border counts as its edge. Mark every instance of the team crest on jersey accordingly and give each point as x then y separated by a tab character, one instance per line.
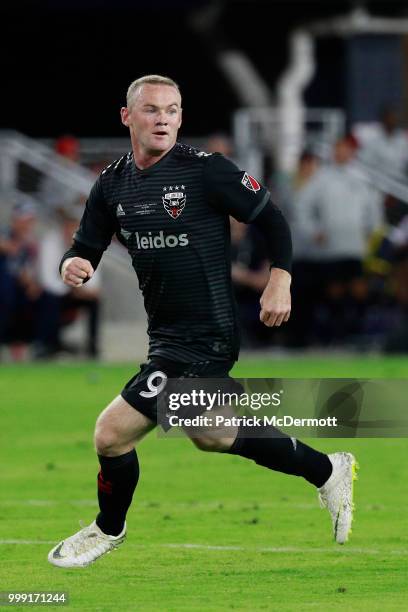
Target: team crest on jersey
174	200
250	183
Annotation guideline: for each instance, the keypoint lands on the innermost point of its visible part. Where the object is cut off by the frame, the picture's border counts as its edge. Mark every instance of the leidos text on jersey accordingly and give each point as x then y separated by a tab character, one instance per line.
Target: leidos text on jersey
160	241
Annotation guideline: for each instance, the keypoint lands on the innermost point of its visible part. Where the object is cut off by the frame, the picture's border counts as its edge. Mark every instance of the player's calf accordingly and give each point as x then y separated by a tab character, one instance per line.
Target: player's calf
275	450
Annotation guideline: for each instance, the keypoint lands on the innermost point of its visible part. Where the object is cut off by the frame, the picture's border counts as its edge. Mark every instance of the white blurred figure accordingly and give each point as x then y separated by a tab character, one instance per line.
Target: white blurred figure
335	212
305	281
334	216
60	302
386	149
288	187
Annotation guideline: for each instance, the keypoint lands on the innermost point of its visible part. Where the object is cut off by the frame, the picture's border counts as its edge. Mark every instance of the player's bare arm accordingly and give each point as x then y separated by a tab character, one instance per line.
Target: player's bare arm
275	300
75	270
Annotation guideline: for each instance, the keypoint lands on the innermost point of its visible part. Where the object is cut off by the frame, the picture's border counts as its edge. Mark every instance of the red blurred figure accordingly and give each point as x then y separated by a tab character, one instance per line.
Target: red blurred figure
68	146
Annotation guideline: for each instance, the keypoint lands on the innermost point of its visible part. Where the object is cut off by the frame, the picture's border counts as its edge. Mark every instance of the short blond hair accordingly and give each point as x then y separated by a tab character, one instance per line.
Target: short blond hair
151	79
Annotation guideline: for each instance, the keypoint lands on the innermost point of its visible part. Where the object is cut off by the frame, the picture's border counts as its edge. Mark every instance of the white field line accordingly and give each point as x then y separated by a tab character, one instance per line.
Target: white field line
215	505
157	505
27	542
48	502
247	549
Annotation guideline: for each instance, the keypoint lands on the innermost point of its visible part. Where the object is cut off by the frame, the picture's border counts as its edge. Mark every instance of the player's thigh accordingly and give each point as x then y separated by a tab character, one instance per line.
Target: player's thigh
120	425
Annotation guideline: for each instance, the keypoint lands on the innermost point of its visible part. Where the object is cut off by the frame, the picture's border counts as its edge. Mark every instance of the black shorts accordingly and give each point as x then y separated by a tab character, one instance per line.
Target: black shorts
147	390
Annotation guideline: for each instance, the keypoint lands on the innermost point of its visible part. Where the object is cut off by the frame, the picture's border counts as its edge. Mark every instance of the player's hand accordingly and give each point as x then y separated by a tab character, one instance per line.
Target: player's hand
275	300
75	270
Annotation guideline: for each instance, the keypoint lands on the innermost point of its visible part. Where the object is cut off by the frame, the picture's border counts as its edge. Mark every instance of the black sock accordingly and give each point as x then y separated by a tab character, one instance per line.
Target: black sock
117	480
284	454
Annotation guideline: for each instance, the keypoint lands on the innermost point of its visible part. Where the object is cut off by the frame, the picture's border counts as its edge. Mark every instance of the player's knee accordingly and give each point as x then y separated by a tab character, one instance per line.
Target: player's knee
107	441
211	445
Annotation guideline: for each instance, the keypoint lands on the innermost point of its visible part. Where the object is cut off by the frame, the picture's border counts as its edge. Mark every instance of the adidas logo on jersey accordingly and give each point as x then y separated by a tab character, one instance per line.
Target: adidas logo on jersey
119	211
160	241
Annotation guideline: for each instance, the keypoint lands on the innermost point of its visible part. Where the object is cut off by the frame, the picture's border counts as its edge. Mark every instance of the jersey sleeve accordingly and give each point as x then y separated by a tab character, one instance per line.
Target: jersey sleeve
97	225
233	191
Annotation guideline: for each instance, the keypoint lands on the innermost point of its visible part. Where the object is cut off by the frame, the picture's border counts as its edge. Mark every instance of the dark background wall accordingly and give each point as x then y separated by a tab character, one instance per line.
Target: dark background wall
66	65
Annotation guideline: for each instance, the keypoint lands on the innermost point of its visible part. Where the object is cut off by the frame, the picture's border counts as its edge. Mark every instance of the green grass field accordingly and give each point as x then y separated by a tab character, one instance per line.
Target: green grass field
206	532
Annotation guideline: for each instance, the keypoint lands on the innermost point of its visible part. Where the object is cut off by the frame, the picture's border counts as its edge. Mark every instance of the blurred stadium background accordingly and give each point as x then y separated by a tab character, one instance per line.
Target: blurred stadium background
274	85
311	98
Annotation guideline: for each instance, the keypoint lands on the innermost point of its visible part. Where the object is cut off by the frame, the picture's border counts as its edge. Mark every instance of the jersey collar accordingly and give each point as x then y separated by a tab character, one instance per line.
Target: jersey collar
155	167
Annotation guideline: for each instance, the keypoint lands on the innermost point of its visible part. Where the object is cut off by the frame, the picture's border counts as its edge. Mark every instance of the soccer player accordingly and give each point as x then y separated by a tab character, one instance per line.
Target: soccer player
169	204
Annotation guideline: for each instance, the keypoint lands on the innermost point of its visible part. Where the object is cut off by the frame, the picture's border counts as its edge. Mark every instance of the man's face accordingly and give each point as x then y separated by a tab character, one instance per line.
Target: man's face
154	118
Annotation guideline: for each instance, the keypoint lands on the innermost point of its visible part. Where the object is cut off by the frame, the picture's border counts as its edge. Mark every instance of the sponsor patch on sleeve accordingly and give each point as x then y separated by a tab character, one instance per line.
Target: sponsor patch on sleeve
250	183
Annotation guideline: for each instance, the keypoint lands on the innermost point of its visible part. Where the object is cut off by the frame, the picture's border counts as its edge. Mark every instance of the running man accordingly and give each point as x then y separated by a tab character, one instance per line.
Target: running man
169	205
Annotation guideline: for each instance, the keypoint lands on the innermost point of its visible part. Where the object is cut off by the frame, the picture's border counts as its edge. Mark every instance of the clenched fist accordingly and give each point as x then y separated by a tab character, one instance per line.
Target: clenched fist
75	270
275	300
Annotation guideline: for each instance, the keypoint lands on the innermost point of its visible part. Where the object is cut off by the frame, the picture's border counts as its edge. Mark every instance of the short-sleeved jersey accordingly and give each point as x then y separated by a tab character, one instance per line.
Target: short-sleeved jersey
173	219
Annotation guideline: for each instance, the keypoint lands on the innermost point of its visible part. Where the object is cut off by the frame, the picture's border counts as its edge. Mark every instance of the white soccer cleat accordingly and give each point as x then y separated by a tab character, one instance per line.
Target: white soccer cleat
84	547
337	494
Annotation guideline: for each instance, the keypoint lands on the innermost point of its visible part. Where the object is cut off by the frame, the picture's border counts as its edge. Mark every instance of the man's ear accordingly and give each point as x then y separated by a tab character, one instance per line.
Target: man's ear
124	115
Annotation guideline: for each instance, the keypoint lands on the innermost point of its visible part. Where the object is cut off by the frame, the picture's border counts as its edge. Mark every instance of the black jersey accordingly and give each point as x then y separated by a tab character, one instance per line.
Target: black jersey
173	219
